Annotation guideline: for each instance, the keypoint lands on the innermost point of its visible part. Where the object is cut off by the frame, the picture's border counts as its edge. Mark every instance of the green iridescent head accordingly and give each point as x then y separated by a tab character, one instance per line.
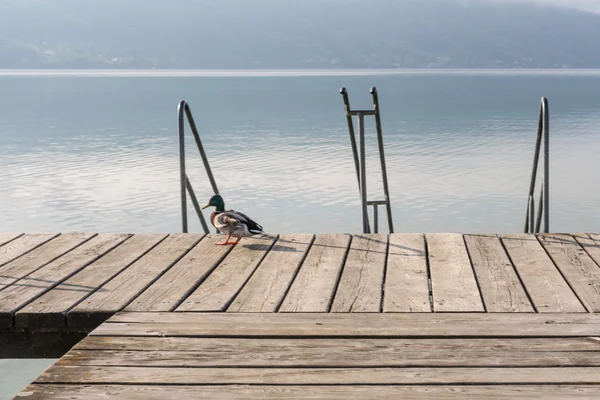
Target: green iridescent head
217	202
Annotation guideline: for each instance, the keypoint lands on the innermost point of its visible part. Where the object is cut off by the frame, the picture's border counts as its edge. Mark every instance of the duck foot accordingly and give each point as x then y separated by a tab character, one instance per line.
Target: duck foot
226	242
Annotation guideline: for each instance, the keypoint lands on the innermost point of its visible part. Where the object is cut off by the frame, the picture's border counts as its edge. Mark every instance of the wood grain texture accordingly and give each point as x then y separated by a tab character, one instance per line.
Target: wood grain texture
268	285
580	271
406	282
183	278
6	237
119	291
50	309
314	286
40	256
590	245
308	351
350	325
50	275
22	245
321	376
223	284
361	285
453	284
301	392
332	355
499	283
544	283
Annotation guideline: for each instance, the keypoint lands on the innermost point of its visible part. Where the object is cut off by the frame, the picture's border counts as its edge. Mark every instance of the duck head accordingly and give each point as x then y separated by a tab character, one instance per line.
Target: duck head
217	202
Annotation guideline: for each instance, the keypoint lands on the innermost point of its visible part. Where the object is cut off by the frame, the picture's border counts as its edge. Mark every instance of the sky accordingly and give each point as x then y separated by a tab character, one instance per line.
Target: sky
588	5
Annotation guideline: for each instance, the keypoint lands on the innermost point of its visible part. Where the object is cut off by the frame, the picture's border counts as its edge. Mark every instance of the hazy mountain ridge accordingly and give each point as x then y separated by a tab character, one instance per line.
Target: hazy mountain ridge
303	34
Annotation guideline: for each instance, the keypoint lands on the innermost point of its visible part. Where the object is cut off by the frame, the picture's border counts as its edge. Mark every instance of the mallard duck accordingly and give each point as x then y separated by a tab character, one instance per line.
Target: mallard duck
234	223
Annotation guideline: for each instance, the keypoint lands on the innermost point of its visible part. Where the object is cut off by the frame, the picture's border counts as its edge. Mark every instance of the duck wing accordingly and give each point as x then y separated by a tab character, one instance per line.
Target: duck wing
236	217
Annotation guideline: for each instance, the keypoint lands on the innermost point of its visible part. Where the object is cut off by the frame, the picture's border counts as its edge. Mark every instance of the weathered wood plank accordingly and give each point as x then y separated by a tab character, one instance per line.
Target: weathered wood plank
178	282
336	392
218	290
500	286
309	351
50	309
590	245
313	288
350	325
453	283
268	285
544	283
6	237
580	271
119	291
322	376
406	282
50	275
22	245
333	357
361	284
40	256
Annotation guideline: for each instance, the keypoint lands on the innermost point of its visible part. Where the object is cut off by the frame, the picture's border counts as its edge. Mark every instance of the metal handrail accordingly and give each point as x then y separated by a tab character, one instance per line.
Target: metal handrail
543	134
360	160
183	112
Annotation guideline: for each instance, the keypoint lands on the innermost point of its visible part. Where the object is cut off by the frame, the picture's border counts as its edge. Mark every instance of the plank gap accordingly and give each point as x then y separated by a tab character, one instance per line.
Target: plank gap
518	274
477	283
560	271
236	294
296	272
339	275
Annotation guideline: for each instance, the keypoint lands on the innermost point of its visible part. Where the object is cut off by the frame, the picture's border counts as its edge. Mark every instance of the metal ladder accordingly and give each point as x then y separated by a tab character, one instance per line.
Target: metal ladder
360	165
543	134
183	112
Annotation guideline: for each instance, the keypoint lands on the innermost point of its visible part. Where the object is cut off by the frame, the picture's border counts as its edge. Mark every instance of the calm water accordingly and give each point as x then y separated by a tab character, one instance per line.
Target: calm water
100	153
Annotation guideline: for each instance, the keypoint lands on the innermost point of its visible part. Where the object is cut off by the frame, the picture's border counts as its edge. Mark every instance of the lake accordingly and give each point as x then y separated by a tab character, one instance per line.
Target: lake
99	152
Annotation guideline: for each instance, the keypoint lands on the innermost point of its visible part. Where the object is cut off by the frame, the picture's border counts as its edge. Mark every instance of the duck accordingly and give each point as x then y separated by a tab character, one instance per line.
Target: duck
234	223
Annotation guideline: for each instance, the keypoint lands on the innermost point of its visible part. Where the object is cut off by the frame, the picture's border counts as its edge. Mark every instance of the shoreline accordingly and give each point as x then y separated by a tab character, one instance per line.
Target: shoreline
230	73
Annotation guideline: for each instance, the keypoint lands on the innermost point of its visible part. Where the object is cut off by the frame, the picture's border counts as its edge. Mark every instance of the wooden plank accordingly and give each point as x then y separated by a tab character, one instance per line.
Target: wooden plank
40	256
22	245
500	286
406	281
267	287
361	284
119	291
453	283
334	357
590	245
351	325
335	392
183	278
544	283
6	237
313	288
309	351
321	376
576	266
29	288
222	285
50	309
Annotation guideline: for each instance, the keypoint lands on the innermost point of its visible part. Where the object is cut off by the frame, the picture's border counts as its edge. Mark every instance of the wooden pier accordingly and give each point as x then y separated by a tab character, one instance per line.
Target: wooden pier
412	316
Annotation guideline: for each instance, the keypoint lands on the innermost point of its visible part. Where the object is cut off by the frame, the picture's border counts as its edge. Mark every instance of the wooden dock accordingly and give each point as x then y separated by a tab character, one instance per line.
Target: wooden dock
415	316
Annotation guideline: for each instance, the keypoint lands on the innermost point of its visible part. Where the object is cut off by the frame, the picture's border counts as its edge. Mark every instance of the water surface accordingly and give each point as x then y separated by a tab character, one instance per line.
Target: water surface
99	152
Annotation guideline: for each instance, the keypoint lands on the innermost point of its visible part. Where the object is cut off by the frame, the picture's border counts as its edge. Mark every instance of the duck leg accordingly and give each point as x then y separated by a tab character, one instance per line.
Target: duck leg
225	242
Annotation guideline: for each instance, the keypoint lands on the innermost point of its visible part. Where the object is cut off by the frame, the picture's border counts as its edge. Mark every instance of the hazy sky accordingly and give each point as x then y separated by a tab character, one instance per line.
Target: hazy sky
588	5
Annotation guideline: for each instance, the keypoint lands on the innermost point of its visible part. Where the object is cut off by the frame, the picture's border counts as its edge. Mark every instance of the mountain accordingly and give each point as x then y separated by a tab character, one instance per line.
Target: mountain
265	34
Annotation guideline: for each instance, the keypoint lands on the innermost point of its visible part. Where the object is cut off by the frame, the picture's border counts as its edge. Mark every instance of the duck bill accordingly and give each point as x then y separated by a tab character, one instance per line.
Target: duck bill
206	206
